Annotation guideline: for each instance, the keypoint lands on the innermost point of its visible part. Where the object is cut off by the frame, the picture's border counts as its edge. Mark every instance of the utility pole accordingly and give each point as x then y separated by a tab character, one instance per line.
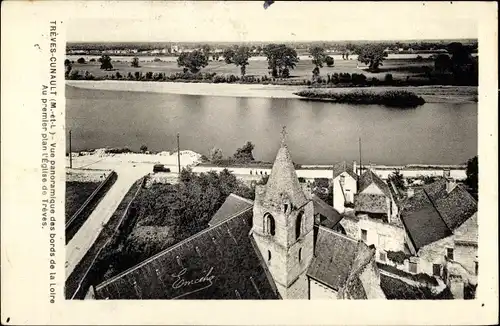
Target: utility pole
360	163
178	154
70	155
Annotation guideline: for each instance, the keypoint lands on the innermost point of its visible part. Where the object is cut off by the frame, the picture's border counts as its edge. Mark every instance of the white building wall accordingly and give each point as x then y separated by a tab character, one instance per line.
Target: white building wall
350	188
319	291
372	189
385	237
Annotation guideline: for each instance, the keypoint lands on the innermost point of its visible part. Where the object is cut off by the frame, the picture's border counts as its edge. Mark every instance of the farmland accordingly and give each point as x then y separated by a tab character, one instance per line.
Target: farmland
400	68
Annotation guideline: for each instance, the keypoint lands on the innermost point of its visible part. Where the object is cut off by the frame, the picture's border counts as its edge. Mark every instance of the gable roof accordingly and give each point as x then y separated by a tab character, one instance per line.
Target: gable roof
368	178
433	213
332	216
340	167
333	258
233	204
370	203
283	180
217	263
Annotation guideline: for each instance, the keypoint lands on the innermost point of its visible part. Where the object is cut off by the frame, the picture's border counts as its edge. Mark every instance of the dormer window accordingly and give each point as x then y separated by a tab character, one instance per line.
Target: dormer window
342	180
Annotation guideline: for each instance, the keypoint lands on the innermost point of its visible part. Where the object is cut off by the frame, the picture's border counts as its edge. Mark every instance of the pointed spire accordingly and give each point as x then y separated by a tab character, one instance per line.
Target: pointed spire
283	179
283	136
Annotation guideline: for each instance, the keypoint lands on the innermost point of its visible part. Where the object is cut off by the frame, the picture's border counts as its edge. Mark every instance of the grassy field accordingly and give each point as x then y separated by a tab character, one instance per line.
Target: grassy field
399	68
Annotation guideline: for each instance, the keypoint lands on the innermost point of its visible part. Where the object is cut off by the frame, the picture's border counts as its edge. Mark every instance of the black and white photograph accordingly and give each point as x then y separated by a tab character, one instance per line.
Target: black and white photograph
262	150
303	167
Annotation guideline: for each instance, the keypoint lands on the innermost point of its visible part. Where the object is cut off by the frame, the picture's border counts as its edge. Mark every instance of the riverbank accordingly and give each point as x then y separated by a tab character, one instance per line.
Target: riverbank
431	94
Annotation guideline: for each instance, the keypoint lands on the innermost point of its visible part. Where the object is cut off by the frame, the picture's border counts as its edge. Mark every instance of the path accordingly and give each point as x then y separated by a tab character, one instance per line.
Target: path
88	233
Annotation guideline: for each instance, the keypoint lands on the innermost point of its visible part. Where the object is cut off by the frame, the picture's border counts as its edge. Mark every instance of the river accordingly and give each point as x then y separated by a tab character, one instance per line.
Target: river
318	132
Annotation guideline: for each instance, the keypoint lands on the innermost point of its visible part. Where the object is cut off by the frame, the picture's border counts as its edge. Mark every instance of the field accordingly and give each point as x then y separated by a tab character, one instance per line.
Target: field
399	68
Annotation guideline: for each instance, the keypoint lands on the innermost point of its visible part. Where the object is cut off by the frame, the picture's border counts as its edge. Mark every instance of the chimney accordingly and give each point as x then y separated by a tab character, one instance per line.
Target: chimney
446	173
354	167
410	192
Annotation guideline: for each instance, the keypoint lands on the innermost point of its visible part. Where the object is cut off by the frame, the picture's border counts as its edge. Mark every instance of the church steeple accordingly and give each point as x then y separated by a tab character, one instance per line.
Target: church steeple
283	220
283	182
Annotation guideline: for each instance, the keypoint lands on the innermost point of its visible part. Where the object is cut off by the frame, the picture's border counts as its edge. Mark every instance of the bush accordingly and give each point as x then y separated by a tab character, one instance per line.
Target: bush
388	78
397	256
81	60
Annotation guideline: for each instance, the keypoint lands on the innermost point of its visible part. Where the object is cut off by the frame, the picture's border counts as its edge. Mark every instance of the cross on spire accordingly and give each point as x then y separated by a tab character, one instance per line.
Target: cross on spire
283	136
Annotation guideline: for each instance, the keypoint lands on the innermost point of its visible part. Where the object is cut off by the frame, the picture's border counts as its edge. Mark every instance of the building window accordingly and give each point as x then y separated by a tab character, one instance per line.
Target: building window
364	235
269	255
298	225
476	267
436	269
413	267
300	254
449	253
342	180
381	255
270	224
381	241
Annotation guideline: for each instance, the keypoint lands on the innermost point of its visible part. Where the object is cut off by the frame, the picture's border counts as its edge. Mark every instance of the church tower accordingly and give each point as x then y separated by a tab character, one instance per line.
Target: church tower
283	219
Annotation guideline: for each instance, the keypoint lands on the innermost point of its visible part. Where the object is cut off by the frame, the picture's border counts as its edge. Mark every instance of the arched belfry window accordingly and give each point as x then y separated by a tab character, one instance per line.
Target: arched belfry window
298	225
270	224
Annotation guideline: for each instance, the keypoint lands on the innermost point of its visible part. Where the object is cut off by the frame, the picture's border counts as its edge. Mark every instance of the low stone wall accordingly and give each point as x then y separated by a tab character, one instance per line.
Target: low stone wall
86	175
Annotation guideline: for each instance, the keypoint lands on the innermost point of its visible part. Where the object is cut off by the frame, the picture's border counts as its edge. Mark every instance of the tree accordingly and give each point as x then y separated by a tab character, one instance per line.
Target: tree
144	148
238	56
193	61
397	178
81	60
279	58
372	55
135	62
105	61
472	175
442	63
67	68
244	154
215	154
318	56
329	61
206	49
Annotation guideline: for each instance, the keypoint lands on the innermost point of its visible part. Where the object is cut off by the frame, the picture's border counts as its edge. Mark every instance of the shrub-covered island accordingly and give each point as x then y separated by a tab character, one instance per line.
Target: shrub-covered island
401	99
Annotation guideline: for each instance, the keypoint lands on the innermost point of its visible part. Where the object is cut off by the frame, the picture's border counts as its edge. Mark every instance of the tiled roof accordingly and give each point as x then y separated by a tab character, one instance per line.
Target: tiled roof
233	204
396	289
433	213
283	180
331	215
370	177
343	166
370	203
218	263
333	258
456	207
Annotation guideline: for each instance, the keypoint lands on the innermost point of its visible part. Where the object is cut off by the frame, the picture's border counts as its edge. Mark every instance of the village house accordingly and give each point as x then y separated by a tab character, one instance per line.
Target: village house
344	182
270	248
375	218
442	232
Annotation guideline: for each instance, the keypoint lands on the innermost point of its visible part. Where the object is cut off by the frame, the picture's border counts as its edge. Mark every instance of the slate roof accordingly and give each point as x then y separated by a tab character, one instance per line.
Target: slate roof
332	216
433	213
370	203
395	289
333	258
343	166
370	177
283	180
221	260
233	204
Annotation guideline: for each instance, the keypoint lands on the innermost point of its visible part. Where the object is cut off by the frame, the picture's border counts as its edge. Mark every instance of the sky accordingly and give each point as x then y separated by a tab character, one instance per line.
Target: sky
165	21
